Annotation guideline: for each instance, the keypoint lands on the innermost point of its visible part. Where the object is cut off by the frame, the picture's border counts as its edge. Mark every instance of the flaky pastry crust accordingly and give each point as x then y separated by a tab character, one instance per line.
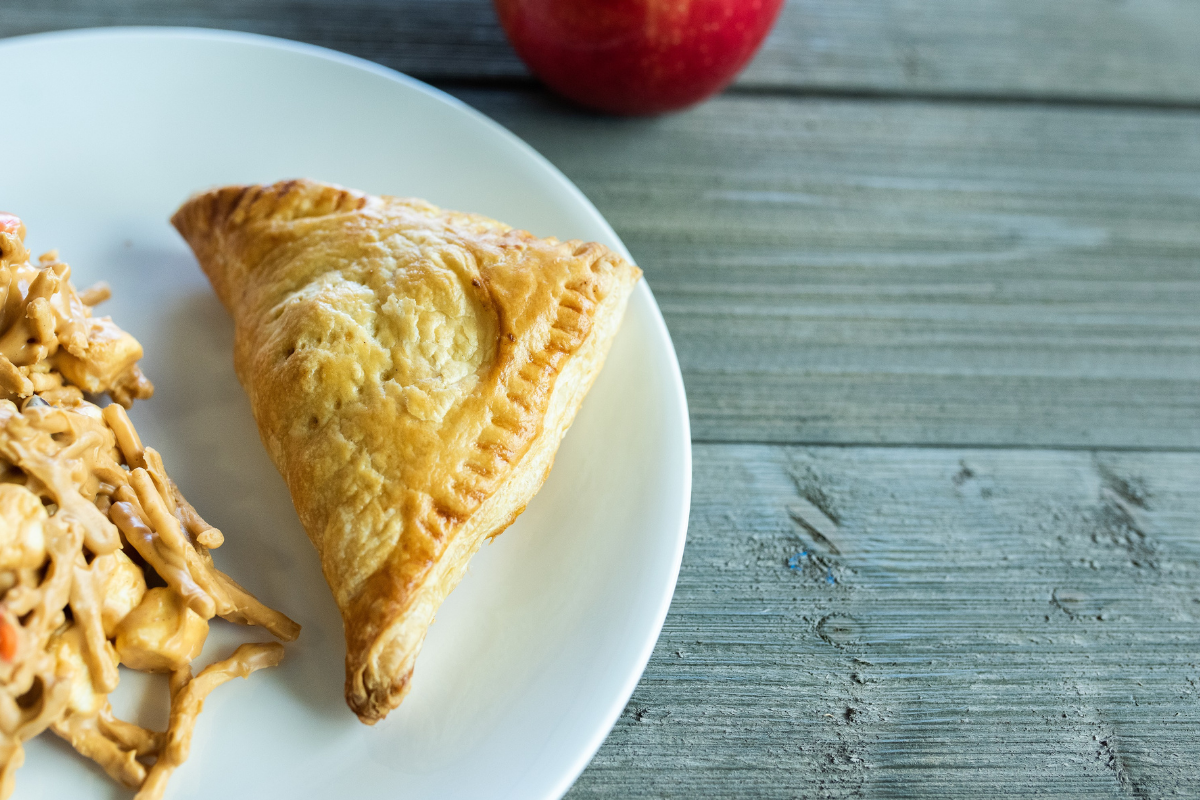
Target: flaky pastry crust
412	371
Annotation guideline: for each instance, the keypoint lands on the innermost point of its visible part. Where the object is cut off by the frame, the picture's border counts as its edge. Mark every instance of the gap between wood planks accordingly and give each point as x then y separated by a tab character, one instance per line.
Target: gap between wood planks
1068	448
510	83
966	98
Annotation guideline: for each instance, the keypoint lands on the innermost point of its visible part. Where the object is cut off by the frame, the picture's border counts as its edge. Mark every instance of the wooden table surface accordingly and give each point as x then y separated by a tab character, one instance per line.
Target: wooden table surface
933	273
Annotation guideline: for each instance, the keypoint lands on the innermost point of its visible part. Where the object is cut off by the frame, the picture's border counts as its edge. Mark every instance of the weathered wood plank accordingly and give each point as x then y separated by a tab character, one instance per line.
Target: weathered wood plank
1098	50
992	623
432	39
1140	51
907	272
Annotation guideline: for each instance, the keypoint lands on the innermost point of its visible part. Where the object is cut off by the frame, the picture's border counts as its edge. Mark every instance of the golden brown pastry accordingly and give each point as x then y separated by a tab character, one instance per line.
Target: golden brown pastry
412	372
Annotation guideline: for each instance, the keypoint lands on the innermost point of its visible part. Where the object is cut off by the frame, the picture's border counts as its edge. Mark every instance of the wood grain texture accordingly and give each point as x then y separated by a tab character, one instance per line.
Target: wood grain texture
1139	51
908	272
975	623
431	39
893	621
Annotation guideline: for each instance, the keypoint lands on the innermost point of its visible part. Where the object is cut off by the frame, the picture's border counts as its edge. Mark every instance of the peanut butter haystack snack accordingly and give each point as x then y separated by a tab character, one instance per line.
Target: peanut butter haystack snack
102	560
50	344
412	371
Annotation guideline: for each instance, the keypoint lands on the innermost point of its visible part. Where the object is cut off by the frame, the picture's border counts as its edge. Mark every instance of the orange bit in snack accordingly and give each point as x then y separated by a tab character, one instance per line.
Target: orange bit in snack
8	640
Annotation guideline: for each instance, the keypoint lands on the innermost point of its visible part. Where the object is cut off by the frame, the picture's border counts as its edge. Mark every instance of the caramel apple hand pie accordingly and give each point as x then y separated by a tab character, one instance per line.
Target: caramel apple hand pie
412	371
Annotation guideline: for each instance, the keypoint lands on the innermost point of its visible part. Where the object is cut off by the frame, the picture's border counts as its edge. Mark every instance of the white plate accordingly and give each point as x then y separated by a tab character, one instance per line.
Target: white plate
534	656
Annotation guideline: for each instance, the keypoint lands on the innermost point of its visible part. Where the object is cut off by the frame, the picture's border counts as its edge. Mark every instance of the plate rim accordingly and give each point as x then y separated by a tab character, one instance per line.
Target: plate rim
674	381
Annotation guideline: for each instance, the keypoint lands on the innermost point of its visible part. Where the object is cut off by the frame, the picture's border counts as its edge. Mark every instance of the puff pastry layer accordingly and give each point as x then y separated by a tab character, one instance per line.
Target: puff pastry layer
412	371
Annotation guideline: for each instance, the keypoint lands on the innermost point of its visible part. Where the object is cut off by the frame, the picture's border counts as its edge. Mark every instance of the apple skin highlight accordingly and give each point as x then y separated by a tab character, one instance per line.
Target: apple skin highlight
637	57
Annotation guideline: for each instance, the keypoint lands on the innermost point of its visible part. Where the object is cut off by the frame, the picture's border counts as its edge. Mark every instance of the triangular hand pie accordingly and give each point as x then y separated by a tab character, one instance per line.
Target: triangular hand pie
412	372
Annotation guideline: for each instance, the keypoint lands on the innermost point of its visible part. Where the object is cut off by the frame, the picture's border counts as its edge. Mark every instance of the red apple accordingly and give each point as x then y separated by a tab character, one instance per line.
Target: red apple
637	56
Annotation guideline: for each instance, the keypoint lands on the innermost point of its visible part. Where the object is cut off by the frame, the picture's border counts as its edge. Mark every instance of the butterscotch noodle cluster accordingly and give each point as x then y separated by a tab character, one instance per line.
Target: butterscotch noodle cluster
102	560
50	344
